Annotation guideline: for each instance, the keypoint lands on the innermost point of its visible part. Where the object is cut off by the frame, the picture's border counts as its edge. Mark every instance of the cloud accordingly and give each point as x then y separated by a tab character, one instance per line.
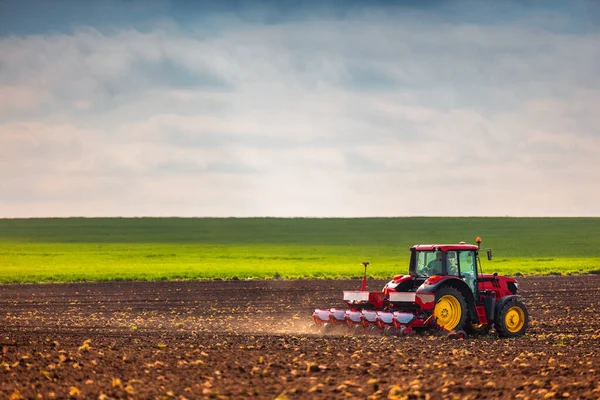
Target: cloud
370	113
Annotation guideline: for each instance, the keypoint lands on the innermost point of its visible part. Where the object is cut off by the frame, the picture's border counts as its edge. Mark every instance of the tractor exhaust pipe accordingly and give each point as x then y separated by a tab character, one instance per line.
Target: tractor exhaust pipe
364	281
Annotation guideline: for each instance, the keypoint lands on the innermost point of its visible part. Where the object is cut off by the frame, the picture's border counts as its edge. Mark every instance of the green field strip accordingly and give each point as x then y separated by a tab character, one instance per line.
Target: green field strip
56	250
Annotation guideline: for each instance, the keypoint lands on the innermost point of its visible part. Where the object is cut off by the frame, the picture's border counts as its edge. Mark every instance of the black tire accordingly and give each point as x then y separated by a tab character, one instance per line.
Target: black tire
461	307
512	319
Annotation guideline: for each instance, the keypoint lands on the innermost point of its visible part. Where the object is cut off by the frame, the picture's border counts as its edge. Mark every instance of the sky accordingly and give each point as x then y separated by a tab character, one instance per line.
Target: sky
299	109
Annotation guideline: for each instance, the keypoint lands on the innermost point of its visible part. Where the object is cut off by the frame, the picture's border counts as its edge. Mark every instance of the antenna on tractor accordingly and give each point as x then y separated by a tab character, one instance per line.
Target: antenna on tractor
478	240
364	281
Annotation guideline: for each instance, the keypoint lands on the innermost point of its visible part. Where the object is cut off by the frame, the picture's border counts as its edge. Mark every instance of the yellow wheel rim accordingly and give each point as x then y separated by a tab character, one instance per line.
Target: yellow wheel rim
514	319
448	312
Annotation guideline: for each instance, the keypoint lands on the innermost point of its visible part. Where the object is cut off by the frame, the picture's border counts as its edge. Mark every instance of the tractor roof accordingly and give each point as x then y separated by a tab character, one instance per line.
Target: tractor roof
444	247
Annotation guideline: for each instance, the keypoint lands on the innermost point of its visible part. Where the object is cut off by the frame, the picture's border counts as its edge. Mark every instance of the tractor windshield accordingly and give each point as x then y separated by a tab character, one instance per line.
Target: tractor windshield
429	263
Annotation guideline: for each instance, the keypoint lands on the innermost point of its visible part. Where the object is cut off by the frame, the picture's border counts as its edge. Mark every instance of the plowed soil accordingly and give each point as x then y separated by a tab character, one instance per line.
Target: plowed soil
251	339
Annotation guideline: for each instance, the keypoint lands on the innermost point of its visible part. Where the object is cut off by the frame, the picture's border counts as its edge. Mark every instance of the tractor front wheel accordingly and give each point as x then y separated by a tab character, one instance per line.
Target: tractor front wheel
512	319
450	309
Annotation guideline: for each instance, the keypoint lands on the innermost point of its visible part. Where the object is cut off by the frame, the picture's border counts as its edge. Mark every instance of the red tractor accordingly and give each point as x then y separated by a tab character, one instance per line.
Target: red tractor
443	290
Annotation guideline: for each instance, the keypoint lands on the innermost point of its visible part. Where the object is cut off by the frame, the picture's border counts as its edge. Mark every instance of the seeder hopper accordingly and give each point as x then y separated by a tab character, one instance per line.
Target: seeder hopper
443	291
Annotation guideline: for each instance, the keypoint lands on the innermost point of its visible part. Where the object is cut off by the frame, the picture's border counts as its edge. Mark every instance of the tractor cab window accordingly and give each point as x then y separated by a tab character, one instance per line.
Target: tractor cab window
429	263
452	263
467	262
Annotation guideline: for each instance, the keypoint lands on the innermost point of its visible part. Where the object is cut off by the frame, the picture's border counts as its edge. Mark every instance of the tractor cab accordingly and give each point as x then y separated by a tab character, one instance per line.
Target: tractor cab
452	260
433	262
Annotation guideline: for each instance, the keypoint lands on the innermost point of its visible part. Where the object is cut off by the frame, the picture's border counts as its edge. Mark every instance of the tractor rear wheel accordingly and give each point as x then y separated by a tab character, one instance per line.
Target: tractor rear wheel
450	308
512	319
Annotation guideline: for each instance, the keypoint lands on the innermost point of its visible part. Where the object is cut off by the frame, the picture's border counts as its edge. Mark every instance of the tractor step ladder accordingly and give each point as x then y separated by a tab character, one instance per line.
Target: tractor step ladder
481	314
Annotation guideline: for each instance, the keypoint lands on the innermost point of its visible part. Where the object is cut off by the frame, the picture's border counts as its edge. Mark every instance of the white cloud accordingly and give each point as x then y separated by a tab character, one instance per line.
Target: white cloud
372	116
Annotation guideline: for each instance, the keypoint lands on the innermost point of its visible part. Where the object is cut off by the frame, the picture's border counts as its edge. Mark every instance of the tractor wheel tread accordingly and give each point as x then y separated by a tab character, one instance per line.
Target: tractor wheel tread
500	320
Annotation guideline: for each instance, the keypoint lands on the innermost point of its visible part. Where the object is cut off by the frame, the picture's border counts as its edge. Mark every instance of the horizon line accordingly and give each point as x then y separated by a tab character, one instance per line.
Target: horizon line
305	217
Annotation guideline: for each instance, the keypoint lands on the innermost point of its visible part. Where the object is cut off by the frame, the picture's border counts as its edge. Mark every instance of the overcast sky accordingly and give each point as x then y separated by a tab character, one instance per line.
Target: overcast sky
167	108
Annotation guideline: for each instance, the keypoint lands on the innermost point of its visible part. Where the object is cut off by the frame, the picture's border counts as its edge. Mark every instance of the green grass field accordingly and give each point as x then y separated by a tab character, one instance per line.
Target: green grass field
81	249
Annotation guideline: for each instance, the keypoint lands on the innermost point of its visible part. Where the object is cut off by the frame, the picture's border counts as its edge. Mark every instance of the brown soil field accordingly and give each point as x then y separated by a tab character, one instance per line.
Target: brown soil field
251	339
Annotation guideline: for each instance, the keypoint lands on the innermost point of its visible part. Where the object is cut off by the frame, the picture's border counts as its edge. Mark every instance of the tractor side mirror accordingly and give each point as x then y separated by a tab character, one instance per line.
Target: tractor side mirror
489	254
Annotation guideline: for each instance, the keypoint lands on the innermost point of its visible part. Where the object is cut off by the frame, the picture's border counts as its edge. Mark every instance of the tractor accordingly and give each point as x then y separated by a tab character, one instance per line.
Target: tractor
445	290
